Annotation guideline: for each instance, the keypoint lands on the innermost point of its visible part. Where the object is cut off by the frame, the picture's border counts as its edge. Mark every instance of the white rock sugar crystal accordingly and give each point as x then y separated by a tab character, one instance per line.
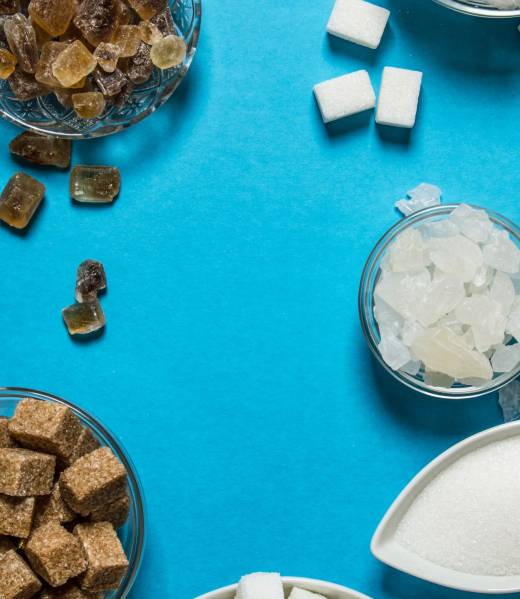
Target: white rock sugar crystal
444	311
466	518
509	400
423	196
301	594
359	22
261	585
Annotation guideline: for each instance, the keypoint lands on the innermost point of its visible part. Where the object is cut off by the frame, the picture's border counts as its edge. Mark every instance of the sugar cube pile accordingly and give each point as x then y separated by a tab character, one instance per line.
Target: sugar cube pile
359	22
398	97
268	585
466	519
345	95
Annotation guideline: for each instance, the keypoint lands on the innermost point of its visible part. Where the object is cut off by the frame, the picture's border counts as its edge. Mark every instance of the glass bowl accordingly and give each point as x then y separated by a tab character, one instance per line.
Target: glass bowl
370	277
479	8
132	534
46	115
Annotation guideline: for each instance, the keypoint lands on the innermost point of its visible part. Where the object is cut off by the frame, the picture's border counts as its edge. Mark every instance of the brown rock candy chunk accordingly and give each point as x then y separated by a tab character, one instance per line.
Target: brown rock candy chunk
17	581
5	438
107	55
9	7
98	20
43	74
107	562
45	426
7	63
42	149
140	66
115	512
52	508
21	38
98	184
90	280
16	516
164	21
128	40
149	32
169	52
89	105
147	9
25	87
82	319
53	16
25	473
20	199
93	481
110	84
55	554
74	63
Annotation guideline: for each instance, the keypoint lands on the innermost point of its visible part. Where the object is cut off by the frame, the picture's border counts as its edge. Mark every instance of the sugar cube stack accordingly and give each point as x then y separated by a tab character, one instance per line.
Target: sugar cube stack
345	95
261	585
398	97
359	22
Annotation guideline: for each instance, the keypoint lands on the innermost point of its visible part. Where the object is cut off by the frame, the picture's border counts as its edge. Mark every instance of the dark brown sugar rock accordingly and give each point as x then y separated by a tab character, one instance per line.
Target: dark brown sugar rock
20	199
90	280
98	20
147	9
25	473
69	591
93	481
41	149
5	438
83	318
115	512
140	66
6	545
55	554
107	562
21	38
109	84
25	87
9	7
52	508
16	516
45	426
17	580
86	443
164	21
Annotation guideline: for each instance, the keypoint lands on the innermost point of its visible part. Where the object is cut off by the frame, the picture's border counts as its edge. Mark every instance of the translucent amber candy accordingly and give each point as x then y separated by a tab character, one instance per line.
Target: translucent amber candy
169	52
84	318
164	21
19	200
7	63
41	149
94	184
53	16
128	39
21	38
149	32
90	280
140	66
147	9
89	105
74	63
107	56
9	7
50	51
98	20
109	84
25	87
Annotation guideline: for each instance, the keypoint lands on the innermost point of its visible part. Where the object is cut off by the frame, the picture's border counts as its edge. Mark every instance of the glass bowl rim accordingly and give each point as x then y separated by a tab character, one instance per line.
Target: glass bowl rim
371	265
476	11
18	393
104	132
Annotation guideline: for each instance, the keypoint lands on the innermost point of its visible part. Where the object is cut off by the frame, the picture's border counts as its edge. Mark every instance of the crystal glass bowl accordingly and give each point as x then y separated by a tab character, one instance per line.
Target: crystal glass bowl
132	534
370	277
46	115
480	8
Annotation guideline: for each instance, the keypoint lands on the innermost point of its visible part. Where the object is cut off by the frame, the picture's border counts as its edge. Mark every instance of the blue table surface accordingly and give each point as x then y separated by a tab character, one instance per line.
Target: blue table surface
233	367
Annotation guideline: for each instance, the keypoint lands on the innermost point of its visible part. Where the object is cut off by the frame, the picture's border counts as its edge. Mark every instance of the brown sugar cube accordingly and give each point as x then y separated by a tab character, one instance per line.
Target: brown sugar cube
5	438
17	581
52	508
69	591
55	554
116	512
45	426
92	481
24	473
6	545
16	516
85	444
106	558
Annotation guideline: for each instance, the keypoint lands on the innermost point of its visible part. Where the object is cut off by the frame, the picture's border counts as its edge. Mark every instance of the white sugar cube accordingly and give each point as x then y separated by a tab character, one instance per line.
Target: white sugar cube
260	585
345	95
398	97
301	594
358	21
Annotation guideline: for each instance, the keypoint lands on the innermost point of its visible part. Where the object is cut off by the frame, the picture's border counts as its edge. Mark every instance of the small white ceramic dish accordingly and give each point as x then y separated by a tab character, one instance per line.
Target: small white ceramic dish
386	549
330	590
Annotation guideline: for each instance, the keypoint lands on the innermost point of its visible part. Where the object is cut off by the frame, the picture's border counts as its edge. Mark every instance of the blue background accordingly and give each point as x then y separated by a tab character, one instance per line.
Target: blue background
233	367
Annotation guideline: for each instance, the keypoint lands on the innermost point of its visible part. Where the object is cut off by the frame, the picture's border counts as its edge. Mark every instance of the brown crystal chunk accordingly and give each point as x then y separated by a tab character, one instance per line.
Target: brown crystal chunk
17	580
149	32
20	199
25	87
7	63
55	554
109	84
16	516
116	512
82	319
42	149
124	95
107	56
53	16
169	52
127	38
24	473
90	279
97	184
21	38
147	9
42	37
64	97
50	51
74	63
9	7
164	21
140	66
89	105
107	562
98	20
52	508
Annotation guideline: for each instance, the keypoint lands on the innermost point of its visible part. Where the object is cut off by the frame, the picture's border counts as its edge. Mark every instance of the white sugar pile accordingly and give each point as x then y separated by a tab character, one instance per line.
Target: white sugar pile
467	519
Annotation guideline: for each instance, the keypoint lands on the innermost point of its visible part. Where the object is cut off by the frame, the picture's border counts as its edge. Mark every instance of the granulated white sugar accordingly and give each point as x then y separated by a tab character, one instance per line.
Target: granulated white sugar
398	97
467	519
359	22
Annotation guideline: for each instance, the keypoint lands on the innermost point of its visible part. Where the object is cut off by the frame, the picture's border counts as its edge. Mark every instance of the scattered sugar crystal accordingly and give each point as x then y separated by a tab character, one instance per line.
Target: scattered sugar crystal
393	351
408	252
457	256
501	253
301	594
509	400
398	97
485	316
503	292
345	95
402	291
260	586
465	518
506	357
438	379
474	224
359	22
423	196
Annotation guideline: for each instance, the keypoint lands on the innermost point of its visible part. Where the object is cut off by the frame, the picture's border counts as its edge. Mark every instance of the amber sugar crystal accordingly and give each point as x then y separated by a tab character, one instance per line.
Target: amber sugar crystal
168	52
98	20
53	16
98	184
128	39
74	63
89	105
149	32
9	7
82	319
90	280
7	63
42	149
25	87
21	38
49	53
107	56
19	200
147	9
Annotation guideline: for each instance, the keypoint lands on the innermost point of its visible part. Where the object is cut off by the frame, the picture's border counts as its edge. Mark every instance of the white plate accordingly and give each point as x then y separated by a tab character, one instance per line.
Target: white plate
385	547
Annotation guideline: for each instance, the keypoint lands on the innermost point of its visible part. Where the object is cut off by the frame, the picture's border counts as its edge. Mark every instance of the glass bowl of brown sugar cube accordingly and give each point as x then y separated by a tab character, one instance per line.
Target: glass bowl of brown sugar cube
91	68
71	504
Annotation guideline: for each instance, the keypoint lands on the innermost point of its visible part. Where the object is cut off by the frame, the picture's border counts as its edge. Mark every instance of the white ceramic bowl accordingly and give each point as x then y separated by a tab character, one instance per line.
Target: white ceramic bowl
385	547
330	590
